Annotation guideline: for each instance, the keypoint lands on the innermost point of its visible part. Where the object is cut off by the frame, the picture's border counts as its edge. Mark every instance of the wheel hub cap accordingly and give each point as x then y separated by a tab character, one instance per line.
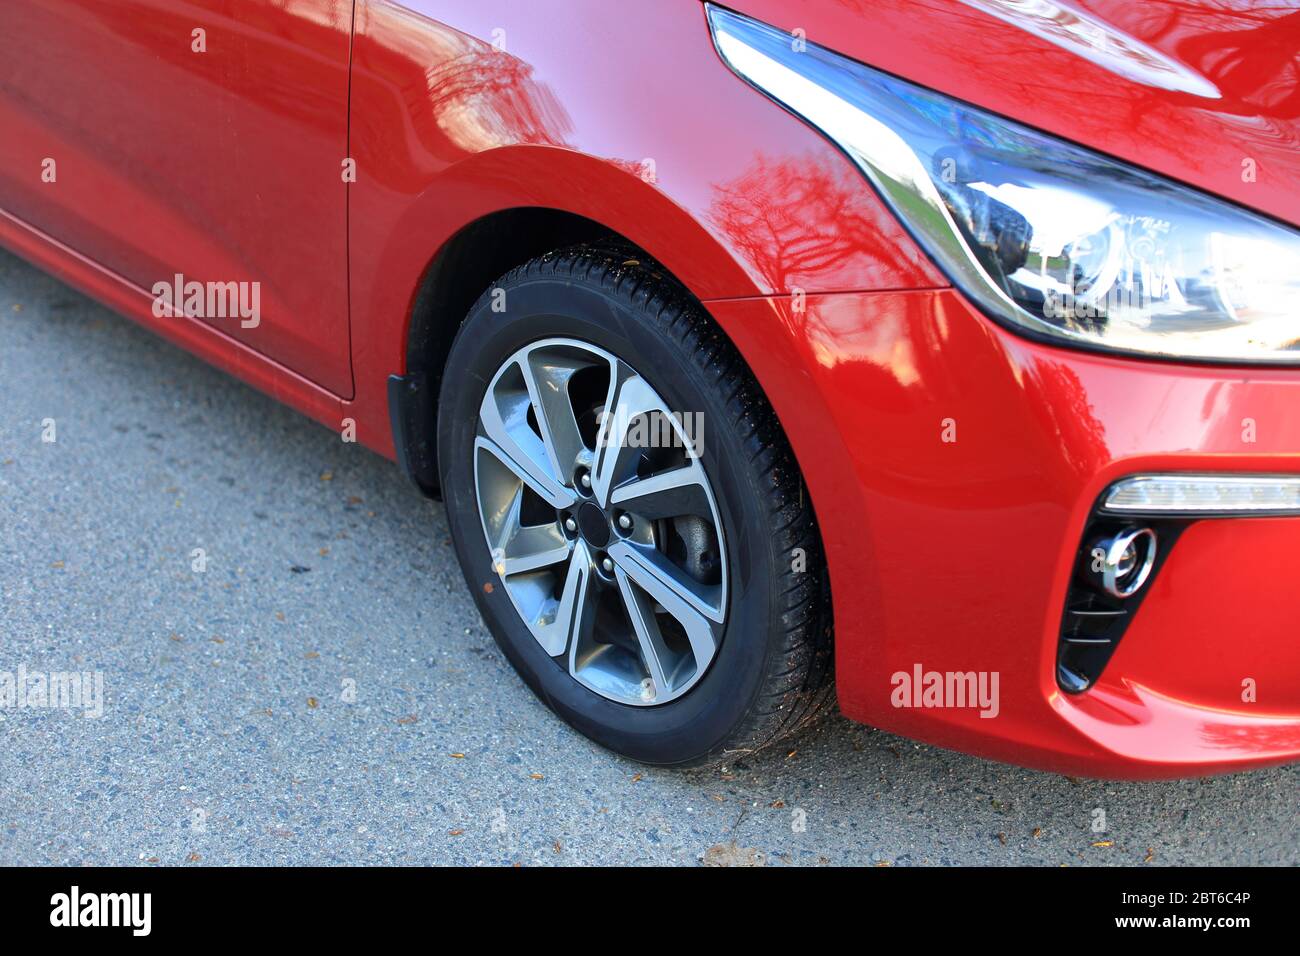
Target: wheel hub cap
593	525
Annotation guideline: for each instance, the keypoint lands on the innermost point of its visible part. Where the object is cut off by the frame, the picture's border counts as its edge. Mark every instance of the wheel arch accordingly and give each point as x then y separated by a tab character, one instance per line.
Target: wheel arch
591	200
482	217
464	268
489	246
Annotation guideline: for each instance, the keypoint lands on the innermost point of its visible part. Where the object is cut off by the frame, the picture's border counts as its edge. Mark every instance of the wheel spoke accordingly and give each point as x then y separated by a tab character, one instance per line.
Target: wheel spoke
573	614
695	606
668	494
641	613
547	377
522	549
630	397
525	467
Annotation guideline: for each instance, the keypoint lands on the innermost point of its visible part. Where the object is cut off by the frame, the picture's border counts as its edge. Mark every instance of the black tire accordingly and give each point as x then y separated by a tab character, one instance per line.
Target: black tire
773	670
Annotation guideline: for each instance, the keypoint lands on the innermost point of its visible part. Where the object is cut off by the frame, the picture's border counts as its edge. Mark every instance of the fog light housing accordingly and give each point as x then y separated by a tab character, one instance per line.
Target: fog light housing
1118	558
1122	563
1116	563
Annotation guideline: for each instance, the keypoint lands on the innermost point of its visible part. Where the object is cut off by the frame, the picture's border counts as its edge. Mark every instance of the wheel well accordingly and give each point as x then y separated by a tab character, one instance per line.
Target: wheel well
476	257
463	269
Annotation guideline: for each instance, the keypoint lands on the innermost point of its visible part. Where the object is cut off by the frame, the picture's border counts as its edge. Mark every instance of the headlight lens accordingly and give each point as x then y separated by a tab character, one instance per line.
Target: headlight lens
1044	235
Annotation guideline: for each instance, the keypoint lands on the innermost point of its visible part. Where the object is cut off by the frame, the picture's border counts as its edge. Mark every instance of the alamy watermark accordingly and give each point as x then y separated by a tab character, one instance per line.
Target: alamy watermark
209	300
959	689
1081	302
652	430
133	911
53	690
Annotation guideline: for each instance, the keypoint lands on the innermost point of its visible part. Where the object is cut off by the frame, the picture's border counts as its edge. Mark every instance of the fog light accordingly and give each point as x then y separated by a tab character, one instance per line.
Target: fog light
1122	564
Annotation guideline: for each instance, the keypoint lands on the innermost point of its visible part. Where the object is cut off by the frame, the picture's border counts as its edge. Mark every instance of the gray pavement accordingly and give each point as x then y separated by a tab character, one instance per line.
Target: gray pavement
355	710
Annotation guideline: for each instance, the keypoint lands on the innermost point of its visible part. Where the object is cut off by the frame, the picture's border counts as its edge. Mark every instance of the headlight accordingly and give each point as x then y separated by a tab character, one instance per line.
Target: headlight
1045	236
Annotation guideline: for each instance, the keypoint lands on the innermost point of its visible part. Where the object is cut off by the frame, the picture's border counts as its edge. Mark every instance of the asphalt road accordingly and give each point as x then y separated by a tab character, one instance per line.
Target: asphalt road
358	712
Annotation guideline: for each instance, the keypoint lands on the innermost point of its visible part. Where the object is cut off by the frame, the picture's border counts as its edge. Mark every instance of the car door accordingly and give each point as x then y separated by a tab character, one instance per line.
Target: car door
199	139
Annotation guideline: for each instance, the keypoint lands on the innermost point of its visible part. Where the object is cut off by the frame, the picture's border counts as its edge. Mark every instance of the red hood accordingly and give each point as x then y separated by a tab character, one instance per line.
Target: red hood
1203	91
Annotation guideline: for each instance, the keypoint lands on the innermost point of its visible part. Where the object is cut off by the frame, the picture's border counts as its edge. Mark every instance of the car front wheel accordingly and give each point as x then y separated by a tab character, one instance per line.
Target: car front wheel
628	513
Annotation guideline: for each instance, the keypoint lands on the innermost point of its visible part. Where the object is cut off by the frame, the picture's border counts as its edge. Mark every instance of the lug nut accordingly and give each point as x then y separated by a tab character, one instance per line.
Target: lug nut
570	525
585	480
625	521
607	566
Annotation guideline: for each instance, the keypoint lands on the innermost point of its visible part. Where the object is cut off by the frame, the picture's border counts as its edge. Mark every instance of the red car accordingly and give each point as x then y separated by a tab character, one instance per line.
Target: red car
970	327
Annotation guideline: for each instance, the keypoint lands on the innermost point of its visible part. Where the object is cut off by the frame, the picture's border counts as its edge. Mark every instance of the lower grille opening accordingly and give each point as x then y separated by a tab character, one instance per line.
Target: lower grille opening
1095	618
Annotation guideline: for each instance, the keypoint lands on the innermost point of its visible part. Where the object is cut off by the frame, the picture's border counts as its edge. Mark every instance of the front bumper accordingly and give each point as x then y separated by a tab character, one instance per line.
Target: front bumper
953	467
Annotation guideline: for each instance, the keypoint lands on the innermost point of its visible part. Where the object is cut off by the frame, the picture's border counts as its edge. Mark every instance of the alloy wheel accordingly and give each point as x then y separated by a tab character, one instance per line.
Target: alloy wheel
600	520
